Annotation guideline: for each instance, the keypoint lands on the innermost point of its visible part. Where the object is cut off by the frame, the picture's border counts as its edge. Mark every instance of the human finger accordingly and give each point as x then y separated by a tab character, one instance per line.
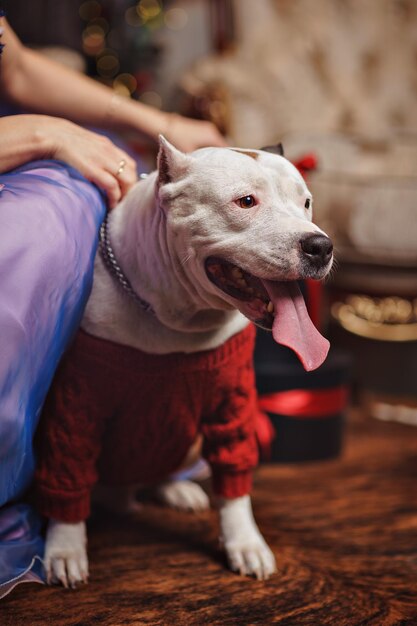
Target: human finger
109	183
125	172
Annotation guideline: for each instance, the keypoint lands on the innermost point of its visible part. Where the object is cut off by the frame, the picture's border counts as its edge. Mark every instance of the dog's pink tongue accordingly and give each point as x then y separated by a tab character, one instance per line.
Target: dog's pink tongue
292	325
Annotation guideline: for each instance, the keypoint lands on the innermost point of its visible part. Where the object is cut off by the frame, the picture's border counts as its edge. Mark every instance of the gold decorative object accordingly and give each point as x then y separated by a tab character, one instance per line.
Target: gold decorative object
386	319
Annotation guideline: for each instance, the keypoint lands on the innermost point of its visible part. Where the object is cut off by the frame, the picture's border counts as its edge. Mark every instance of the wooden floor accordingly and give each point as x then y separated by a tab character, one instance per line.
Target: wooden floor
344	533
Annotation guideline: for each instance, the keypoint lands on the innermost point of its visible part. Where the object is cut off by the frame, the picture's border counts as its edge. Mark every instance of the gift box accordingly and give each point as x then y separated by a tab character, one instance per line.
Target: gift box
306	410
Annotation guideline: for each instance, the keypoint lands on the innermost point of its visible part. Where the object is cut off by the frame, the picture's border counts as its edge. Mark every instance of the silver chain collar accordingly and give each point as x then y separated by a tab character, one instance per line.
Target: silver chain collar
114	268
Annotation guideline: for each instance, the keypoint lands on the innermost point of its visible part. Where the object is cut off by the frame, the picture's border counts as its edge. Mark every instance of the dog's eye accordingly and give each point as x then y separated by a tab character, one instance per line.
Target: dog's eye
247	202
307	203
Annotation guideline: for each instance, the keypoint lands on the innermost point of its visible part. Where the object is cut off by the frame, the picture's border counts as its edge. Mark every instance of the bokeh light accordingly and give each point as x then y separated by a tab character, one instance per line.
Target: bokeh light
133	18
101	23
125	82
148	9
134	51
152	98
93	38
176	18
89	10
108	65
121	90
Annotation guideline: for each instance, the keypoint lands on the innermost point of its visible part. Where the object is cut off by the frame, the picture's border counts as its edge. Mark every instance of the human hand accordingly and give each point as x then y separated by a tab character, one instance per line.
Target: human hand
188	134
96	157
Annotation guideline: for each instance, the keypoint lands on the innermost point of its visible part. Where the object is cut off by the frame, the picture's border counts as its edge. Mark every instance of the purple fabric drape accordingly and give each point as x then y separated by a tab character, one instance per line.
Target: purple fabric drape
49	218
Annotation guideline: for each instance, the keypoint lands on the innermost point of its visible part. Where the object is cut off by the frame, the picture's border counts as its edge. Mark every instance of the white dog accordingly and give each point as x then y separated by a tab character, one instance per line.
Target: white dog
208	242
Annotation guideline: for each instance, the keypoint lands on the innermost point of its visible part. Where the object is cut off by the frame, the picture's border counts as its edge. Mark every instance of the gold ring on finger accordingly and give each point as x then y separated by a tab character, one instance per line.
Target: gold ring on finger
121	167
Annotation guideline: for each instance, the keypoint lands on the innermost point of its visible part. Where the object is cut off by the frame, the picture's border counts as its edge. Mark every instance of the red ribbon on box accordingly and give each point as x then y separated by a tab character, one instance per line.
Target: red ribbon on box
305	403
298	404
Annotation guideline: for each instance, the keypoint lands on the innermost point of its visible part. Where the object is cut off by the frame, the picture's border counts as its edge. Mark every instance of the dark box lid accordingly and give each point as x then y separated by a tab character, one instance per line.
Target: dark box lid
278	369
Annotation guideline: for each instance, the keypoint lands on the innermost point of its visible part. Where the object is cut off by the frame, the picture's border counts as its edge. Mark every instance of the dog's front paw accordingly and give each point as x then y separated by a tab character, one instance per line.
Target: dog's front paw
65	557
250	556
183	495
246	550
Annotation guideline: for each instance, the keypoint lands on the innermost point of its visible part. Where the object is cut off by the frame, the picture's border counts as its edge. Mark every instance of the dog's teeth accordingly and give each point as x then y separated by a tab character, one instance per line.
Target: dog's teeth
241	282
250	290
270	307
237	272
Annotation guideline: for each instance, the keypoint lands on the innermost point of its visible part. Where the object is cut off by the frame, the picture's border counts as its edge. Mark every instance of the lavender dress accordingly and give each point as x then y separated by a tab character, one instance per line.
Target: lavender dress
49	218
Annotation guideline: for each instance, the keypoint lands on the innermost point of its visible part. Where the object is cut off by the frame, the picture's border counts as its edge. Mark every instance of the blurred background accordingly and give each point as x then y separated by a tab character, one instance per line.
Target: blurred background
336	82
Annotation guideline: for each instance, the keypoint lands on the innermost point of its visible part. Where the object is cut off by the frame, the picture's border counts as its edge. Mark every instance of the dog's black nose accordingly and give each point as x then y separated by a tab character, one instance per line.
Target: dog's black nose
318	248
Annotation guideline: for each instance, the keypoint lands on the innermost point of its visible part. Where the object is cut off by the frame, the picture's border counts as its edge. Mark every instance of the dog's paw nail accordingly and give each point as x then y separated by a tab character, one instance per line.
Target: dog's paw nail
84	577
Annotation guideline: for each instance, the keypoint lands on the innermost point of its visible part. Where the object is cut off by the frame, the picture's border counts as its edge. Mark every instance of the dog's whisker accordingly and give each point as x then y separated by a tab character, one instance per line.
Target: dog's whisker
333	270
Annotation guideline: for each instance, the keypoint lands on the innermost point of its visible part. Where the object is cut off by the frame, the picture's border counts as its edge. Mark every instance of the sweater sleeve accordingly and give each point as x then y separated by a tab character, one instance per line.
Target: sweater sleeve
69	442
229	432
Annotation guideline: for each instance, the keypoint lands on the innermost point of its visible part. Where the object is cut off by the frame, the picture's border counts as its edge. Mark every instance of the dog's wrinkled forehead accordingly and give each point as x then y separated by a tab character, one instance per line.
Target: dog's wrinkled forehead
257	168
240	159
285	175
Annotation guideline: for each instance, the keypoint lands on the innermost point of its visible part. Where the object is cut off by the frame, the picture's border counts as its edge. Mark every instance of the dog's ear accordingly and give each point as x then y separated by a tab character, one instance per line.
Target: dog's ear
277	149
172	164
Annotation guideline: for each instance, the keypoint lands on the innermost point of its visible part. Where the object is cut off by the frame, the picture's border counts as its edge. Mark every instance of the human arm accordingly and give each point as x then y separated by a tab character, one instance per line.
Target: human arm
41	85
29	137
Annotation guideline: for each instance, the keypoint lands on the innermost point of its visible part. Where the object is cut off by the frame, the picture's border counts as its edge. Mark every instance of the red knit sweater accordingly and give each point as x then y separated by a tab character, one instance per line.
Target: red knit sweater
122	416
